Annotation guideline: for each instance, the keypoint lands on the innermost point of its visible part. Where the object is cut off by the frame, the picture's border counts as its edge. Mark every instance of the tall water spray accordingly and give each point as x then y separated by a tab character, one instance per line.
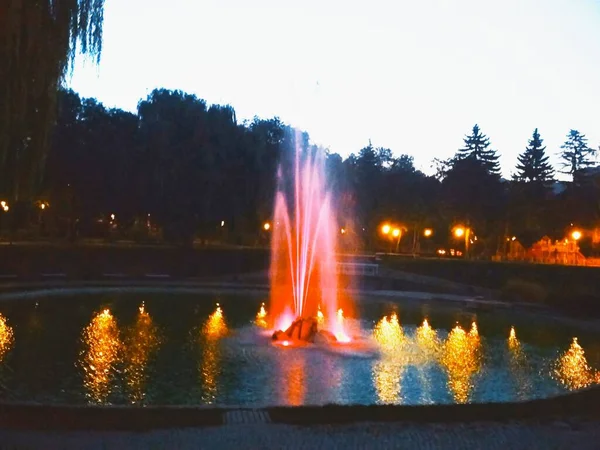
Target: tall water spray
303	248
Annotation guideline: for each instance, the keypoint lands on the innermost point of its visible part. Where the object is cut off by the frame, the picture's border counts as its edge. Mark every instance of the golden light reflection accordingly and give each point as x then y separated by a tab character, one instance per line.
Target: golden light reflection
572	369
261	317
518	366
387	377
387	372
214	328
100	355
6	337
514	346
428	342
461	359
141	341
388	333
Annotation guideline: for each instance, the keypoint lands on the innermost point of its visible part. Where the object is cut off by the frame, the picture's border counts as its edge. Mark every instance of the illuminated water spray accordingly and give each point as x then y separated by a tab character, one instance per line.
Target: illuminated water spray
303	261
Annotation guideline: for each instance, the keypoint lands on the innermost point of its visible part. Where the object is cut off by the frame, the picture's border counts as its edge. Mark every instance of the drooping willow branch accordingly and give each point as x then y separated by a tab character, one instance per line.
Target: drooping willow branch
39	41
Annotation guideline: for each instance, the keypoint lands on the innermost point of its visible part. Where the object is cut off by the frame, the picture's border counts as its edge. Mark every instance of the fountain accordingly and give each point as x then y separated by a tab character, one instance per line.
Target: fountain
303	274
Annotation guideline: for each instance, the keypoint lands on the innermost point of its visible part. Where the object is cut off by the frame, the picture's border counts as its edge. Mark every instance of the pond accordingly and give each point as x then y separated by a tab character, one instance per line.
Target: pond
177	347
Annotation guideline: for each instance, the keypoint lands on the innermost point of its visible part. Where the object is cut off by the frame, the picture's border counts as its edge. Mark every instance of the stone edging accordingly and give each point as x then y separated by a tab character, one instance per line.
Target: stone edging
124	418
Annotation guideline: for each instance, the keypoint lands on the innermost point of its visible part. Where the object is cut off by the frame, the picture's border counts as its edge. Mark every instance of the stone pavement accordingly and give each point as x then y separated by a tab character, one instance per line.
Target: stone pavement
580	435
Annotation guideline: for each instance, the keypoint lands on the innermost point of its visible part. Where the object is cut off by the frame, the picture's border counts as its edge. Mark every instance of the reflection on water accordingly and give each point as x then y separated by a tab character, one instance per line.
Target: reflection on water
388	334
387	376
100	355
261	317
6	337
461	358
214	328
428	343
572	369
518	366
294	380
141	342
387	372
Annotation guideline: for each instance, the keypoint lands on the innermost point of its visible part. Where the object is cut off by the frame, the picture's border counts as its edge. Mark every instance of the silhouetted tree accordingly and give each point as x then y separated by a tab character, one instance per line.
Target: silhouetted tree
533	163
576	154
477	147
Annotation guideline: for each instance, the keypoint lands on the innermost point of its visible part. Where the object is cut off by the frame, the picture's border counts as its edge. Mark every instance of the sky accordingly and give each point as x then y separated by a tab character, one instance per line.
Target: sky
413	76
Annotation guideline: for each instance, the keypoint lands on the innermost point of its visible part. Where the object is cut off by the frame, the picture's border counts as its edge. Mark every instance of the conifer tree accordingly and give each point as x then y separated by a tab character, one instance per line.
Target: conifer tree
477	147
533	162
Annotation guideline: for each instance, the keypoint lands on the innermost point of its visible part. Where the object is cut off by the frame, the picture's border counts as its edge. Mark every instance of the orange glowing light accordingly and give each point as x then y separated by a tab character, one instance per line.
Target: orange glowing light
215	326
459	232
102	348
343	231
576	235
141	341
320	317
572	369
266	226
6	337
427	232
396	232
261	317
461	359
385	229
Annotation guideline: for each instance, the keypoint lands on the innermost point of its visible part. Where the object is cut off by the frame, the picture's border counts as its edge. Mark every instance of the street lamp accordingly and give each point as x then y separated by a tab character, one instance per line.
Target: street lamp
266	226
343	231
460	231
385	229
576	235
427	232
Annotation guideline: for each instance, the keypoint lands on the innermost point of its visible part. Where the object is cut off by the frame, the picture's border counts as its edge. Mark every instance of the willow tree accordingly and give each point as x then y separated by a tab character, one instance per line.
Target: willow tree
39	40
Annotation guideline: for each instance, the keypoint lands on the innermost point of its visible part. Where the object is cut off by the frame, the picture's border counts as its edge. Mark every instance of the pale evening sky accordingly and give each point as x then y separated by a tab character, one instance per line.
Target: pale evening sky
414	76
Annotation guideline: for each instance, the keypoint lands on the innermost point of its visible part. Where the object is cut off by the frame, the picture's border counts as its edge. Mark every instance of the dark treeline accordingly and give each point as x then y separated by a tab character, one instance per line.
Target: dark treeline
190	169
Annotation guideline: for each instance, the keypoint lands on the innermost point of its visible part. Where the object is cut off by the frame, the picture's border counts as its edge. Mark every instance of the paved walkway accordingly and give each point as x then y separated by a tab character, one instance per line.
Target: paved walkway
581	435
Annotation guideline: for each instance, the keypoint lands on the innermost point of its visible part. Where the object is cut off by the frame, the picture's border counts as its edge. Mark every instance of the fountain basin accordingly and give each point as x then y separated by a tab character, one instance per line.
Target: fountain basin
183	353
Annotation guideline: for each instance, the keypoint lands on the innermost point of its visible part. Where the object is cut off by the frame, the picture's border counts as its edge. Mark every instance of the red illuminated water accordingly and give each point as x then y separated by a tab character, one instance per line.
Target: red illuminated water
303	248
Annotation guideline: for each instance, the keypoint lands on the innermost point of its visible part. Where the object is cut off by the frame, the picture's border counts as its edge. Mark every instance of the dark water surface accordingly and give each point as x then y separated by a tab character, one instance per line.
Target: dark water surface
122	347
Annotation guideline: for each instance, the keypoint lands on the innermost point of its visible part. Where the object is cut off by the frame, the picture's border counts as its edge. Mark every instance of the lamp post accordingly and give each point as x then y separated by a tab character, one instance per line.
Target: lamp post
460	232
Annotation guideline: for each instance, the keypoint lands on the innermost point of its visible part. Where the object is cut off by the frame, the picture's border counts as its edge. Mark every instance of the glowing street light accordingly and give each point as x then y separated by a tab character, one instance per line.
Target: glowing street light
427	232
385	229
576	235
343	231
396	232
266	226
459	232
222	223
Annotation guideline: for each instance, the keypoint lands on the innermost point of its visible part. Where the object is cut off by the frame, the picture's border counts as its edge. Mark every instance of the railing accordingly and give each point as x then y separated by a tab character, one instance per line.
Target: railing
357	269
